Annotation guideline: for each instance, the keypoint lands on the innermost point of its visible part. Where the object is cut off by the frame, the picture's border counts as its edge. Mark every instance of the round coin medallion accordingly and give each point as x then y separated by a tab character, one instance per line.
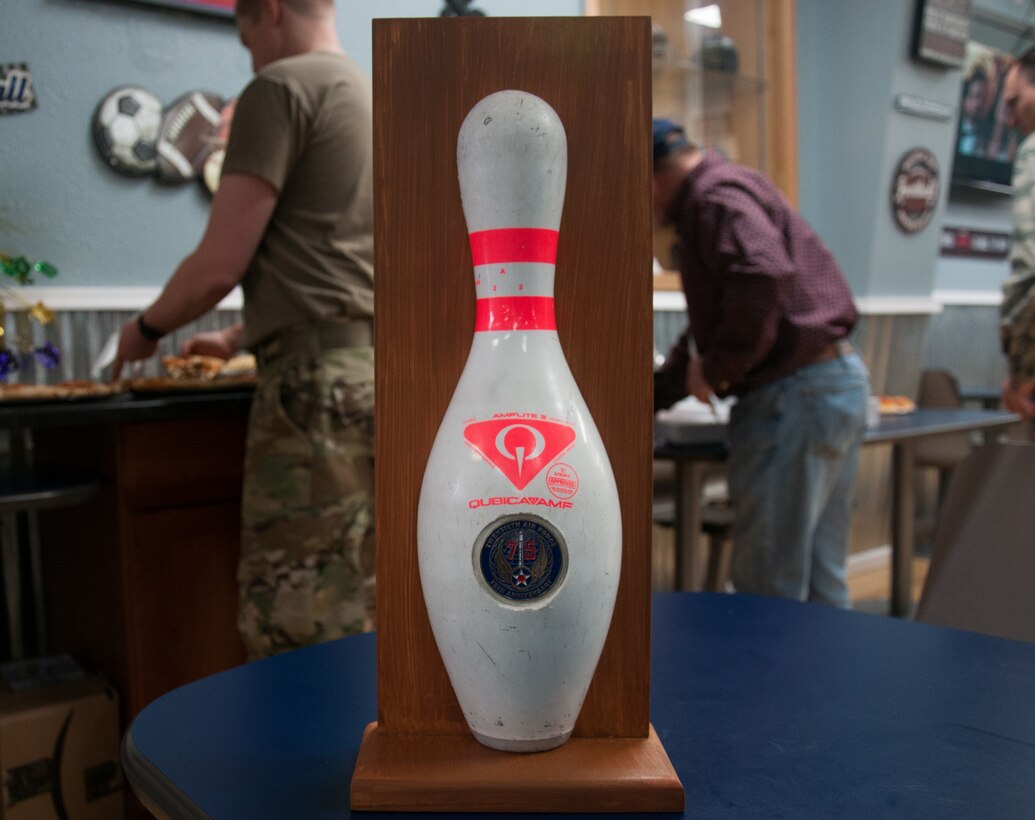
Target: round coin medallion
521	557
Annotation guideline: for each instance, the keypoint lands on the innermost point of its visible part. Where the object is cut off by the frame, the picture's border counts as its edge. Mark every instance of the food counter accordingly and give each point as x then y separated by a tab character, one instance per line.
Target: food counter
140	581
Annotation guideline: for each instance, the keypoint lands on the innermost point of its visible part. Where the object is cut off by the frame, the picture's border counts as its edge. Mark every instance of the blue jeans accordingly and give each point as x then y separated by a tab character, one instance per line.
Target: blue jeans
794	454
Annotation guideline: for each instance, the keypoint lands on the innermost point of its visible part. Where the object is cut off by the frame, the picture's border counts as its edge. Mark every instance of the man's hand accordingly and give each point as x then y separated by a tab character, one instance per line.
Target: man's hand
696	384
218	343
132	347
1018	396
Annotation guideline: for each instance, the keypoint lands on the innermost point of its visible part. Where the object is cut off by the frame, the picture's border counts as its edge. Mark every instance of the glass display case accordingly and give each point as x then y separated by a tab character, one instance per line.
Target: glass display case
725	71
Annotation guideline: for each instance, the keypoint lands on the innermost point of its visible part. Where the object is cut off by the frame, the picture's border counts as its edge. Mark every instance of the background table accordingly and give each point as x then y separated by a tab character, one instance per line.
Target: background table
900	431
766	708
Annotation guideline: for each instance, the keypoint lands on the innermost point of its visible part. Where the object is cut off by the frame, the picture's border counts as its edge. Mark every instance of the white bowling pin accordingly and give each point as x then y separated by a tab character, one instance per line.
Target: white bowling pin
519	529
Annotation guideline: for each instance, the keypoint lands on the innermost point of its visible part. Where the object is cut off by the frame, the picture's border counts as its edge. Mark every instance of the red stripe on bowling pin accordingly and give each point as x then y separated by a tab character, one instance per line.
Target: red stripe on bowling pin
502	313
514	245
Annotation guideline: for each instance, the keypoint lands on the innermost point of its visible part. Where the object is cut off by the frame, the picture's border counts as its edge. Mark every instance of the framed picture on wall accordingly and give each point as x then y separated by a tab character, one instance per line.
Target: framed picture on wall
985	141
222	8
941	30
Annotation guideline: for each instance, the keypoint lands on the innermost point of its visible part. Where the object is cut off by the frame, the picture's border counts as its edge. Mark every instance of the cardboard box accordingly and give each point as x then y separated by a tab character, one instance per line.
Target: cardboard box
59	743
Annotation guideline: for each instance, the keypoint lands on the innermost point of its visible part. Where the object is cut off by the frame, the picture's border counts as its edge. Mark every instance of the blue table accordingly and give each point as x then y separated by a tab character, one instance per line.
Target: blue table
766	708
898	430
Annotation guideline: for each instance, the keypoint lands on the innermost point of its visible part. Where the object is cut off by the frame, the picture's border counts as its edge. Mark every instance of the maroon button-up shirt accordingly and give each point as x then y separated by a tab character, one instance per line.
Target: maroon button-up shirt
764	294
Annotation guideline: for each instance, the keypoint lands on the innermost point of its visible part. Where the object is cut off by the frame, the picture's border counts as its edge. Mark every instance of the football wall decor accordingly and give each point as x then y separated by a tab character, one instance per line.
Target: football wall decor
185	138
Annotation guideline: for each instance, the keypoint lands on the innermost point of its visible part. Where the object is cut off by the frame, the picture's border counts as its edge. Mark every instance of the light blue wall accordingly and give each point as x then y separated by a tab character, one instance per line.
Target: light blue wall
58	200
853	59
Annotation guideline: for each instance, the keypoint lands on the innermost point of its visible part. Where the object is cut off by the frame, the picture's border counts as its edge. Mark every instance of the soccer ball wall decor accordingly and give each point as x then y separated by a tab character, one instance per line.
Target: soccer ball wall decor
125	128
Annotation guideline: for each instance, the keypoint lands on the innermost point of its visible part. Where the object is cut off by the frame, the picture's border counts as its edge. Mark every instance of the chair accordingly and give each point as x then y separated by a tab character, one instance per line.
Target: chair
939	388
982	571
717	524
716	519
24	491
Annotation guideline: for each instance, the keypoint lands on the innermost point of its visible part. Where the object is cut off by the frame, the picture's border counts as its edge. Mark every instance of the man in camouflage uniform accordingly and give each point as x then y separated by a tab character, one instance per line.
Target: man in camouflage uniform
1017	314
292	222
307	551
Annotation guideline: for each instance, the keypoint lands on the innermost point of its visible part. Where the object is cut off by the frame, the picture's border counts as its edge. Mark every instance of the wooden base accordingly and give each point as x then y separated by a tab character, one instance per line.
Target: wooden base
458	774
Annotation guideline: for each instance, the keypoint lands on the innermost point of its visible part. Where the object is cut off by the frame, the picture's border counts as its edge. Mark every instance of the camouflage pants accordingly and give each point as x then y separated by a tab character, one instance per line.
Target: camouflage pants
307	547
1017	332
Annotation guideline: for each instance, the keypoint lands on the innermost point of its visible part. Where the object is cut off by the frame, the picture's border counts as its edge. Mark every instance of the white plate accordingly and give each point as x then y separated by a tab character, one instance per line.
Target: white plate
676	432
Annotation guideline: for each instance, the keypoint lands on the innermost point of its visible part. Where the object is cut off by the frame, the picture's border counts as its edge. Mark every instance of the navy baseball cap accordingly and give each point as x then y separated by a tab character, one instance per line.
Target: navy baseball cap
668	137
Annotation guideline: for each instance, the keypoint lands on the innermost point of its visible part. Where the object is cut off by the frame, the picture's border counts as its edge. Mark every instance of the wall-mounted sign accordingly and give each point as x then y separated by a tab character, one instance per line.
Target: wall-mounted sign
982	244
914	190
919	107
16	91
941	31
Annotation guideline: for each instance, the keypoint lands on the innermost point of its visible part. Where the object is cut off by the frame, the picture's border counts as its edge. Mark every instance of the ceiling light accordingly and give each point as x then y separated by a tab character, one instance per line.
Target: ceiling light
709	16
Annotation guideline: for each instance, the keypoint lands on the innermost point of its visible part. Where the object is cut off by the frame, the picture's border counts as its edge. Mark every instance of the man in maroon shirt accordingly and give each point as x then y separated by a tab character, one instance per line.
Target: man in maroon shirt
769	315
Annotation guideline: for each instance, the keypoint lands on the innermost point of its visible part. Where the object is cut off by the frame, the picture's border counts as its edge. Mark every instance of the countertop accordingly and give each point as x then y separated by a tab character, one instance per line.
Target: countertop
126	407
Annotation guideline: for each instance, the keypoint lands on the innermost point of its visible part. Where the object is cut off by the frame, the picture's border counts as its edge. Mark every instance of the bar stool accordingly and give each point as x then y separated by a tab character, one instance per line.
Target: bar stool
24	491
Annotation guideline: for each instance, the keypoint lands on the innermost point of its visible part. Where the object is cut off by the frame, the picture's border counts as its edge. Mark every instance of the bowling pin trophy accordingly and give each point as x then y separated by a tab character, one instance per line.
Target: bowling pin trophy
513	551
519	529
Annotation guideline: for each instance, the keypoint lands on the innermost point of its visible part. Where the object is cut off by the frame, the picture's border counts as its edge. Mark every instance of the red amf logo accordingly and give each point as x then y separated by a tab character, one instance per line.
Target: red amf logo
519	446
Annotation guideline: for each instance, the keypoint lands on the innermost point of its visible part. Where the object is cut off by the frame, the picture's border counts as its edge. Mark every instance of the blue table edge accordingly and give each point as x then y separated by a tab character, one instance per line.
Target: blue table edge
151	787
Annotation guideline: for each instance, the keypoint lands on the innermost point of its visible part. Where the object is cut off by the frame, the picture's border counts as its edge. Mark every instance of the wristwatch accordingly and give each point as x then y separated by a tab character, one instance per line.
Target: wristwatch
152	334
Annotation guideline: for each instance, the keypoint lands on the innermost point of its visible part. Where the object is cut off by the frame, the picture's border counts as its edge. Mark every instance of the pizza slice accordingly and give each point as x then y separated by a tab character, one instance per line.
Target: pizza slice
192	367
70	389
896	405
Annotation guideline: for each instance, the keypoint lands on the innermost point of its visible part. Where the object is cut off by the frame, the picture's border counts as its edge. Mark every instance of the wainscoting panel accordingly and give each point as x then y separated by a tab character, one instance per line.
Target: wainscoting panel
892	347
80	335
668	325
964	339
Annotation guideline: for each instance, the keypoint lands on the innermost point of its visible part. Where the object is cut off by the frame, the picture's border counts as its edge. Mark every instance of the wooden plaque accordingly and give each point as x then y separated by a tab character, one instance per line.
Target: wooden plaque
428	73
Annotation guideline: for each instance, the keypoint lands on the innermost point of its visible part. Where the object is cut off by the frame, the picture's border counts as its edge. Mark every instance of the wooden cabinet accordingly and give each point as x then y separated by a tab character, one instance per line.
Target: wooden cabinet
140	582
726	71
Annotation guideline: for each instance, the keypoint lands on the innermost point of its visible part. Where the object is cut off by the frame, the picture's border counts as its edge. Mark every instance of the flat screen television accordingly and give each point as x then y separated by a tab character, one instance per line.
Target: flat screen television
985	145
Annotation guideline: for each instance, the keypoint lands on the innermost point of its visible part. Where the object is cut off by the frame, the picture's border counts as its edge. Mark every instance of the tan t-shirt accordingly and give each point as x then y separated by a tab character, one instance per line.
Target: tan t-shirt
304	125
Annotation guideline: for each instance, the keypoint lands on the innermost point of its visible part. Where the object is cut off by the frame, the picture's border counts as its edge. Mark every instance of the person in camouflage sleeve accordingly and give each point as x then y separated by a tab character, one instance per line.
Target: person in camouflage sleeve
292	223
1017	313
